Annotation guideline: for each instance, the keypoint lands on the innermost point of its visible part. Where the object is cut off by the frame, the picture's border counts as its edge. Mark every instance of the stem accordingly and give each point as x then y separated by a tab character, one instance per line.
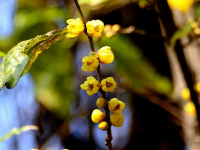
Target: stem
108	137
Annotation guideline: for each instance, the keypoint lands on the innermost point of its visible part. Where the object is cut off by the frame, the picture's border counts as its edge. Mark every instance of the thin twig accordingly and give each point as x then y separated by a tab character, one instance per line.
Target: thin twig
108	137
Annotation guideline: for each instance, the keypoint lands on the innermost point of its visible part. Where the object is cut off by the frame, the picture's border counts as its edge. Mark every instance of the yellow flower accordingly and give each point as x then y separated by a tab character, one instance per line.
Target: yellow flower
116	105
97	116
75	27
94	28
108	84
101	102
116	27
91	85
185	94
197	87
105	55
103	125
190	109
182	5
90	63
116	120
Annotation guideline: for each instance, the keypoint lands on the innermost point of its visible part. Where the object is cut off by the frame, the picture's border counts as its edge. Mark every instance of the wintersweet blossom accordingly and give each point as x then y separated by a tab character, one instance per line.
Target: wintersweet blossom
75	27
94	28
108	84
90	63
91	85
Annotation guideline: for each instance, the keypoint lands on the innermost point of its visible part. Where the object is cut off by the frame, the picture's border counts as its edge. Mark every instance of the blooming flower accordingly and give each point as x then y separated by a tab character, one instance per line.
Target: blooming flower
94	28
108	84
91	85
116	105
182	5
97	116
105	55
90	63
116	120
75	27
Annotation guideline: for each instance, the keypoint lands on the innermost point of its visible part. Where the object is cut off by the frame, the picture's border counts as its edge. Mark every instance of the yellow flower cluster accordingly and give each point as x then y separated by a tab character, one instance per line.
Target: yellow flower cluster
195	26
91	63
76	27
92	85
189	107
182	5
116	106
110	30
116	118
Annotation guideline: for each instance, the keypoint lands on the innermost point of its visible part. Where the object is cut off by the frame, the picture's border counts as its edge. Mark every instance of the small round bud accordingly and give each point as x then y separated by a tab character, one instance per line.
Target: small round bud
143	4
116	120
116	27
185	94
197	30
107	28
105	54
110	34
97	116
101	102
190	109
194	24
103	125
116	105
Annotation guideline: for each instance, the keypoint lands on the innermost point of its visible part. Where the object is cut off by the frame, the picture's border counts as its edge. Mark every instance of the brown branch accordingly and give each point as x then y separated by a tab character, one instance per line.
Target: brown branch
169	29
108	137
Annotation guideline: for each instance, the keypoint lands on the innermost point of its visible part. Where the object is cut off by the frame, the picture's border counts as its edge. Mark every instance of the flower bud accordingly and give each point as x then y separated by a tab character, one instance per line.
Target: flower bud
116	120
107	28
103	125
116	27
116	105
75	27
97	116
105	54
197	30
101	102
185	94
190	109
94	28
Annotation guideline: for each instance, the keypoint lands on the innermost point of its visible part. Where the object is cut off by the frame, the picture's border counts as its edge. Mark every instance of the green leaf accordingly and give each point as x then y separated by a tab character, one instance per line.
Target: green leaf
16	131
19	59
182	32
2	54
132	65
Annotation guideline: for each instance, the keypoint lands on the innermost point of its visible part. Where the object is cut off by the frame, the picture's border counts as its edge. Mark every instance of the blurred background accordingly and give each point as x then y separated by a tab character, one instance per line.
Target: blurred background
49	95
